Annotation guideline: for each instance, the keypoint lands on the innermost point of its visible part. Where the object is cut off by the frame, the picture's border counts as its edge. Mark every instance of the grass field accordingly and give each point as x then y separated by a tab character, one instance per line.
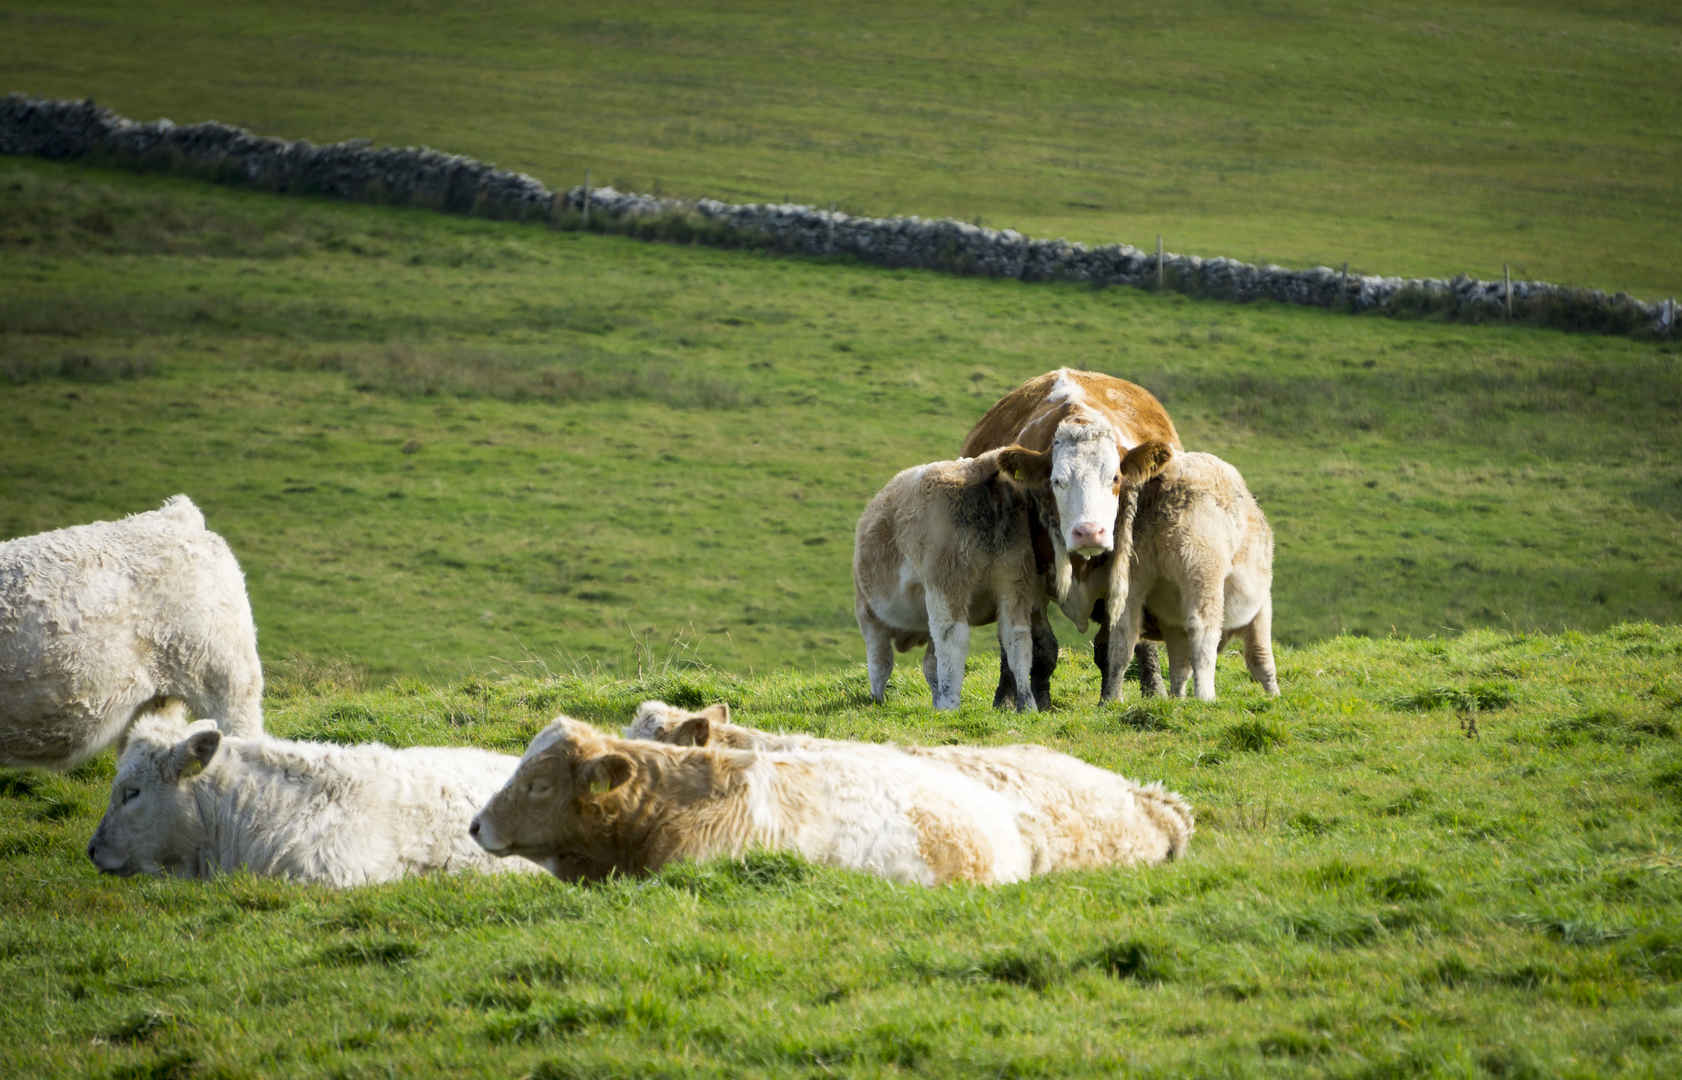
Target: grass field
480	473
1428	141
1431	857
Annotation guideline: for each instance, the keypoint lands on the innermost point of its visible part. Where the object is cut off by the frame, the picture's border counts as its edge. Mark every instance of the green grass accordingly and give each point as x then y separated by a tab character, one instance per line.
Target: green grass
1431	140
480	473
1442	856
442	446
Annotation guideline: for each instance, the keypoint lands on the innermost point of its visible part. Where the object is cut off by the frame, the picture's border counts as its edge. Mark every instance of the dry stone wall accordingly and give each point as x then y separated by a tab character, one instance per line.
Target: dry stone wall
449	182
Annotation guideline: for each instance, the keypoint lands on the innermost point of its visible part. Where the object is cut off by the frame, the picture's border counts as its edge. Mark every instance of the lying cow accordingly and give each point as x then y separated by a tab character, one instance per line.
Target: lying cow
189	801
1202	567
1071	814
1086	420
946	546
588	804
98	622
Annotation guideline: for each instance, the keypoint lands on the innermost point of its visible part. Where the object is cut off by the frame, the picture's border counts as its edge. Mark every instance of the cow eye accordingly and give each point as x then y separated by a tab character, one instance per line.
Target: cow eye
1059	482
130	794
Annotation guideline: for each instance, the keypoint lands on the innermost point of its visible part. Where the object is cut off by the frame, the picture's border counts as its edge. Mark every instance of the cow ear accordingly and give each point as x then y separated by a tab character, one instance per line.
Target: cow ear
603	773
718	713
694	731
1145	461
1025	466
189	756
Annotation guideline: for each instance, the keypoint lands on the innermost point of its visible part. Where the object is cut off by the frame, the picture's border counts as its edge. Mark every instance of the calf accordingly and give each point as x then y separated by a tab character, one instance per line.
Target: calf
587	804
189	801
1071	814
99	622
948	545
1202	568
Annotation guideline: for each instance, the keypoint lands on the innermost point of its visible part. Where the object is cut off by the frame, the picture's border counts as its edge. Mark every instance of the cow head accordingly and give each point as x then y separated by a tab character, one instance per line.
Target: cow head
1086	485
658	722
555	809
152	824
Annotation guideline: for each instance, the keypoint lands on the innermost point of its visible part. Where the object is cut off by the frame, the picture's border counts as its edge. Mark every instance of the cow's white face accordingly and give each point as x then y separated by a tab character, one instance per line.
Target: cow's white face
1086	485
152	824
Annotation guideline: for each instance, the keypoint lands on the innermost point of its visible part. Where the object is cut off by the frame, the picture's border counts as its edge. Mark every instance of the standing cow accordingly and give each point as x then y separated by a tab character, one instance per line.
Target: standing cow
1087	420
1202	567
946	546
99	622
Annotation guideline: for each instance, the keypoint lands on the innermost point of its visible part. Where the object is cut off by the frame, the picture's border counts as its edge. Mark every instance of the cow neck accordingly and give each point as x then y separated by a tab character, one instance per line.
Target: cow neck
207	793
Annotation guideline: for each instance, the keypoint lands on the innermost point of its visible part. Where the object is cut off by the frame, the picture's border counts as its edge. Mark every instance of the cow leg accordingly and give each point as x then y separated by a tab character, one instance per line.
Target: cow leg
949	641
1179	659
1016	645
1150	670
1122	638
1045	657
1258	648
1101	653
878	652
1005	693
930	674
1203	630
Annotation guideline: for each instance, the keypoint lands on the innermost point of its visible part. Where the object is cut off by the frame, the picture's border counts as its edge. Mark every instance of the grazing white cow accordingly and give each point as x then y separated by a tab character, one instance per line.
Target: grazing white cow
943	547
189	801
1071	814
588	804
99	622
1087	420
1202	567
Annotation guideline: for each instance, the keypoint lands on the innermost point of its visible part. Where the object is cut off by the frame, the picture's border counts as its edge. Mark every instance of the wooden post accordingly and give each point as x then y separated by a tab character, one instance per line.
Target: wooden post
1507	287
1159	261
586	199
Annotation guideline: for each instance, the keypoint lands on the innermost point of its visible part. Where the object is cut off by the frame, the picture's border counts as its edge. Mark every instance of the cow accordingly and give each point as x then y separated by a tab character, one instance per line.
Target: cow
1202	567
100	622
1071	814
191	802
1087	420
946	546
588	805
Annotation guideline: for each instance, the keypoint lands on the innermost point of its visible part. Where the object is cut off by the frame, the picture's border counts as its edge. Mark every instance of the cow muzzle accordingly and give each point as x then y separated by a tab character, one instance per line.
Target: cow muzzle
1090	538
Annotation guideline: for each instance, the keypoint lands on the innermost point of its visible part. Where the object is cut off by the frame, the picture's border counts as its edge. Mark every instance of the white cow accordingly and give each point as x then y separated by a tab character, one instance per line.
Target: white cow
943	547
1202	567
587	804
189	801
1071	814
99	622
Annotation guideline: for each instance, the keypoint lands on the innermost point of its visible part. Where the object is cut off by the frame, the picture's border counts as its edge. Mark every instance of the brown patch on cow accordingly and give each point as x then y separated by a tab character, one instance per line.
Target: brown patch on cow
1026	416
951	850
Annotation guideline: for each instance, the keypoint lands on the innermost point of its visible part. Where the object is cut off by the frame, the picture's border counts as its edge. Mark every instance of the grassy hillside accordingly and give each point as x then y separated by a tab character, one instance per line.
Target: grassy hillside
1440	857
442	446
1431	140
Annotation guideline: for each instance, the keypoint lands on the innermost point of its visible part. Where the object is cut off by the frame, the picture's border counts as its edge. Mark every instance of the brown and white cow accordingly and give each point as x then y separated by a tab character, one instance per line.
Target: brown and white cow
946	546
1072	814
1087	420
585	804
1202	567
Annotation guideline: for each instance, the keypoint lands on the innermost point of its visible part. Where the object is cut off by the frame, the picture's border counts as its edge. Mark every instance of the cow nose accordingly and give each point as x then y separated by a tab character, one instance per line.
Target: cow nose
1090	534
473	828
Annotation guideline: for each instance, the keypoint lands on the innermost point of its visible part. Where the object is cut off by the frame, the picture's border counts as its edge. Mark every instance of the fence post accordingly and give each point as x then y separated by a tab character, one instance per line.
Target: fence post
586	200
1158	262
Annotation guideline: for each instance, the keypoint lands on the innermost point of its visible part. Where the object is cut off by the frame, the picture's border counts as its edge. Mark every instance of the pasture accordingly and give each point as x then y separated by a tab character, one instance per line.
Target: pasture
478	473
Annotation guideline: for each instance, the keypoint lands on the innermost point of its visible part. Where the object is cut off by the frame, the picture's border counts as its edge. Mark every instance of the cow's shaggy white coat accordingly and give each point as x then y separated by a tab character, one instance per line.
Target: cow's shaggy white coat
1071	814
1202	567
100	621
587	804
191	802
